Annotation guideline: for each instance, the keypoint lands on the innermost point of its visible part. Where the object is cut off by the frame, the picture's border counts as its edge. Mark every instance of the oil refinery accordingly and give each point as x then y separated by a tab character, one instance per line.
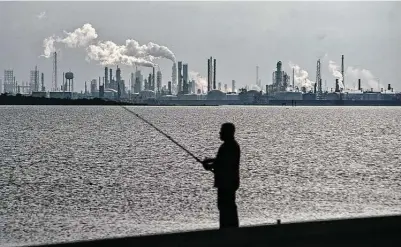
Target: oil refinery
181	90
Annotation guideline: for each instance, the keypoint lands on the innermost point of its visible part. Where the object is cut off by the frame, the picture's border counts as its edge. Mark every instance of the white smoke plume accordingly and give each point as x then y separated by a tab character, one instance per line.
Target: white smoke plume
109	53
255	87
48	44
200	81
368	80
81	37
335	71
301	77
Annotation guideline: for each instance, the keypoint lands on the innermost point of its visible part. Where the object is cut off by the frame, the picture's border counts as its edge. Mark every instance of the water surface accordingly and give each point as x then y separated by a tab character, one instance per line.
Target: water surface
70	173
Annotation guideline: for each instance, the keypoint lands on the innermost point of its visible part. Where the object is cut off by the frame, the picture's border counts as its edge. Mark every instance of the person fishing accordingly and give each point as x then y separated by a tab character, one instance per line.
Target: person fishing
226	176
225	168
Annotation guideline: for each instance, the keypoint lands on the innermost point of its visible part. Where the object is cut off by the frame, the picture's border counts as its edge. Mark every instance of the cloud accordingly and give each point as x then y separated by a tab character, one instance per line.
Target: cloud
42	15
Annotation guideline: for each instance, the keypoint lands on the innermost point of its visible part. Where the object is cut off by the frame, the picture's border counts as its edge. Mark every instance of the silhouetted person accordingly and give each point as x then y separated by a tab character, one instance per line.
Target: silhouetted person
226	175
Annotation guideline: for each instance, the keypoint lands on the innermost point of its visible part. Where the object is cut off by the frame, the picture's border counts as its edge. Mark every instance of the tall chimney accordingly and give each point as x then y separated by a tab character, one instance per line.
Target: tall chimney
106	76
111	76
64	86
153	79
214	74
208	75
43	82
342	70
314	87
149	82
389	87
359	85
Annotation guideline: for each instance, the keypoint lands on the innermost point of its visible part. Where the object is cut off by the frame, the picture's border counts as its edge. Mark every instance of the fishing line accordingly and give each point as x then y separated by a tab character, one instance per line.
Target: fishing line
168	137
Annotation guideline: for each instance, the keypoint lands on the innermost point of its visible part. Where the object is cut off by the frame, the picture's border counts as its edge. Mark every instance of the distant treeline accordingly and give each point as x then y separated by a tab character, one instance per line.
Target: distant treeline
29	100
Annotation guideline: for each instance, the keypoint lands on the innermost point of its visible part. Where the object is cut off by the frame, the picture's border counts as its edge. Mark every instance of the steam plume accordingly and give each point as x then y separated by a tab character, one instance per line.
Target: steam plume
48	44
200	81
255	87
335	71
150	50
107	52
301	77
365	75
81	37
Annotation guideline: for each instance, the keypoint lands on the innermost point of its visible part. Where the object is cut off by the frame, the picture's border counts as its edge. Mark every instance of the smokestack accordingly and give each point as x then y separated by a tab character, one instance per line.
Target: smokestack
153	79
64	86
209	82
43	82
389	87
106	76
149	82
337	86
359	85
169	87
267	87
111	76
342	70
314	87
214	74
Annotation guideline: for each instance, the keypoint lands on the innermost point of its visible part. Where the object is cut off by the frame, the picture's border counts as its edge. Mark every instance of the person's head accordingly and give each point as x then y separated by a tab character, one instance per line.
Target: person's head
227	131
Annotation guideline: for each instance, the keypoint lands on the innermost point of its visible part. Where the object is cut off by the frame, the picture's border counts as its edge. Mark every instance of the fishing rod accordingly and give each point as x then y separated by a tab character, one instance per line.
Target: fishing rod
168	137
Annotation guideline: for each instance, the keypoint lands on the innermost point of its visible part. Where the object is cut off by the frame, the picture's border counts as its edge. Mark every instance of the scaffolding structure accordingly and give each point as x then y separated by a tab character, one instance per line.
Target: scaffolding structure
319	93
9	81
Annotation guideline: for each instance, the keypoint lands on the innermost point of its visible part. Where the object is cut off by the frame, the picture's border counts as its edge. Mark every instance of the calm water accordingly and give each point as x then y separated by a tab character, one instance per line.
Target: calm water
69	173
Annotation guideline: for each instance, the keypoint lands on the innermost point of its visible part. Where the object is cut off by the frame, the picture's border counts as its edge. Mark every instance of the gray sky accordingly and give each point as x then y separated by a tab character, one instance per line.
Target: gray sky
240	35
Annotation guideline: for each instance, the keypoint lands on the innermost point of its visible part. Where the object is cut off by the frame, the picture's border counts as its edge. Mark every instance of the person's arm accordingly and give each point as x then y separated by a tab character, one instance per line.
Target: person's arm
208	163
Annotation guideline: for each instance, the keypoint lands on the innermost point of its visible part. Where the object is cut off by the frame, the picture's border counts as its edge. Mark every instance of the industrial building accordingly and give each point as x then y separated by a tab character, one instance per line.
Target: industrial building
9	81
280	79
182	90
159	81
174	79
211	74
34	80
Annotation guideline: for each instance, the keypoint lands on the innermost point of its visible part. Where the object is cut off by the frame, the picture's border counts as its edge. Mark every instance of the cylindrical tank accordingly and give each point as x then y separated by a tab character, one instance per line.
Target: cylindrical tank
69	75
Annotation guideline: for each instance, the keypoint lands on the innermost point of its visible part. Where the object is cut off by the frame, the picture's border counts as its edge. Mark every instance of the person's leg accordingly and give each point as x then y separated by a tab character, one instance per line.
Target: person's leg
232	209
222	208
227	208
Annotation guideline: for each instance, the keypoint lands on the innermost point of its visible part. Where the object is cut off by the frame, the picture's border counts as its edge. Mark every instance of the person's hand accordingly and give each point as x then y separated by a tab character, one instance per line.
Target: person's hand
207	163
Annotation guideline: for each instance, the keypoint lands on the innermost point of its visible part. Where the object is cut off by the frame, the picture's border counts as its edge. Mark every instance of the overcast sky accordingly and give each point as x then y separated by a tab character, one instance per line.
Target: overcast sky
240	35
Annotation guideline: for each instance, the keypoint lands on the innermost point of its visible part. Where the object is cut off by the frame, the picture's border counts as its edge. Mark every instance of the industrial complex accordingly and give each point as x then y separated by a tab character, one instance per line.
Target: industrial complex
181	90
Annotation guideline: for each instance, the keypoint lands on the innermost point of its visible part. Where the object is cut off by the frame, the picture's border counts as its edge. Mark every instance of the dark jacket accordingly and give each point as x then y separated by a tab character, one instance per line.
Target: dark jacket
226	166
